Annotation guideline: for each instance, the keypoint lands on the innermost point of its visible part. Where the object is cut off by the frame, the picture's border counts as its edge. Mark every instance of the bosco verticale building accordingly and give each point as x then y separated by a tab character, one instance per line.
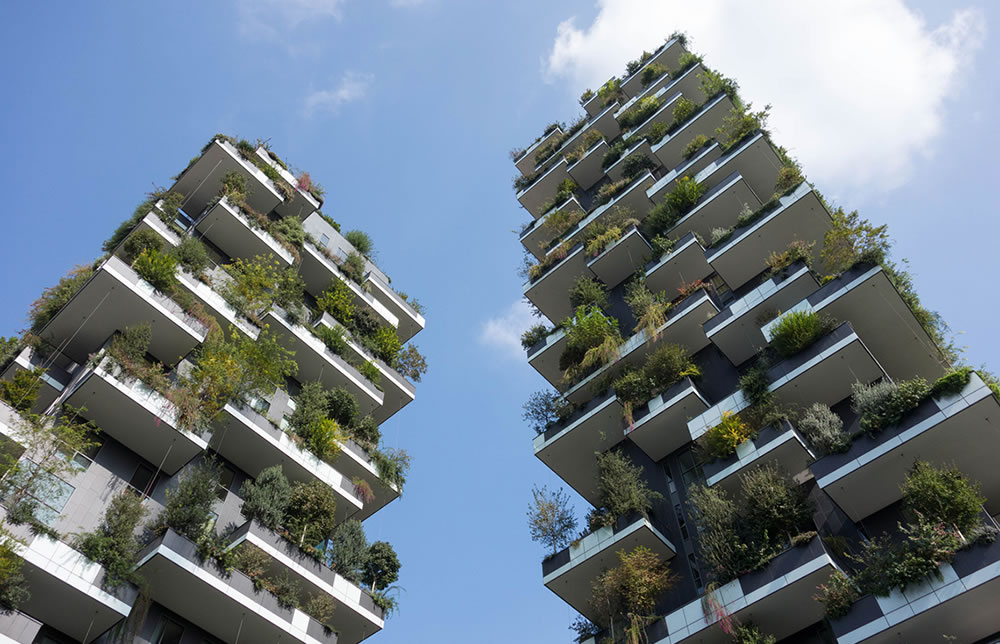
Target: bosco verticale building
773	437
191	423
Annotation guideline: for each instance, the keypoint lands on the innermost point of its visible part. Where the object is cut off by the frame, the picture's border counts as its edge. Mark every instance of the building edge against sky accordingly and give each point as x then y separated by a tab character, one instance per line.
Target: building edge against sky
190	426
774	434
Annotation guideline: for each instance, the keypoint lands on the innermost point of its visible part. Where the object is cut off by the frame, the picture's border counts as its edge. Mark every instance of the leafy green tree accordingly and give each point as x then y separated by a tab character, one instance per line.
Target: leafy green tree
382	566
310	515
348	550
622	488
266	498
942	495
550	518
114	544
189	504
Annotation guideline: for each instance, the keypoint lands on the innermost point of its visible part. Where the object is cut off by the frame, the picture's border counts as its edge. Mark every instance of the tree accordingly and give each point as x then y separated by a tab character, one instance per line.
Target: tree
622	488
629	591
310	516
852	239
550	518
382	566
267	497
13	586
942	495
411	363
543	408
348	550
21	391
114	544
189	505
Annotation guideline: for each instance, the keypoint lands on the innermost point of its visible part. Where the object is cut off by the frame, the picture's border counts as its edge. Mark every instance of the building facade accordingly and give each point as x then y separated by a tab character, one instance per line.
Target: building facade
743	387
191	424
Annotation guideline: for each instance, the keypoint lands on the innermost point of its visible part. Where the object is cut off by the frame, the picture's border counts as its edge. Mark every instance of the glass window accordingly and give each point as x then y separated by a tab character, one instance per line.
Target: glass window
226	476
324	240
51	493
144	479
168	632
86	457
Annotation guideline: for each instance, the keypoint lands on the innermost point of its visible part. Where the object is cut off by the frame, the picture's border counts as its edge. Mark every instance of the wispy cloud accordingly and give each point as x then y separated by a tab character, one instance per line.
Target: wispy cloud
353	86
406	3
270	18
503	333
859	88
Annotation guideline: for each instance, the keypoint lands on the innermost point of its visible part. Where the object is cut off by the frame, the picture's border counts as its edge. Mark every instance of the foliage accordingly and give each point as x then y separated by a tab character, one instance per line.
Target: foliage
386	345
191	254
258	283
824	429
167	212
332	337
348	550
320	607
635	164
289	230
411	363
285	589
140	241
664	367
740	123
651	73
694	145
622	487
551	521
750	634
592	338
588	292
361	241
886	403
712	83
55	297
533	335
366	433
381	568
683	111
392	465
797	250
721	441
677	203
354	267
21	390
610	92
628	592
719	236
313	518
798	330
852	239
544	408
952	383
633	66
610	190
371	371
13	586
328	219
639	112
755	385
649	309
586	96
584	629
189	504
113	544
886	564
338	301
267	497
789	177
942	495
837	595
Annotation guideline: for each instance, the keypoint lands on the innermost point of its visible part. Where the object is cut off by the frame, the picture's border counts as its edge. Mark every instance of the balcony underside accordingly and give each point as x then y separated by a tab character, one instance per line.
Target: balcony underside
237	237
543	189
668	57
587	170
683	265
690	168
540	235
670	151
782	447
621	259
318	272
550	292
718	208
660	427
201	183
545	359
526	163
410	322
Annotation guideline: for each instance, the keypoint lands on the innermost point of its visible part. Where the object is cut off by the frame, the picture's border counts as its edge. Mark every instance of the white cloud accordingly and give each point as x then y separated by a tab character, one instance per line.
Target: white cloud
503	332
858	88
406	3
352	87
269	18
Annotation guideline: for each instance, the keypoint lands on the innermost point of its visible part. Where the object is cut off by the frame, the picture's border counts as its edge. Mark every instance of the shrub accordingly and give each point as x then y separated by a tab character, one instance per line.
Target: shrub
797	330
610	91
592	338
694	145
113	544
55	297
639	112
285	589
21	391
651	73
320	607
332	337
361	241
310	518
338	301
354	267
851	239
192	255
635	164
622	487
411	363
544	408
837	595
796	251
750	634
156	268
13	585
684	110
789	177
586	96
289	230
824	429
740	123
628	592
189	504
952	383
551	521
885	403
633	66
588	292
366	433
942	495
392	466
349	550
648	309
534	335
656	132
712	83
386	344
140	241
755	385
371	371
266	498
772	504
885	565
719	236
610	190
721	440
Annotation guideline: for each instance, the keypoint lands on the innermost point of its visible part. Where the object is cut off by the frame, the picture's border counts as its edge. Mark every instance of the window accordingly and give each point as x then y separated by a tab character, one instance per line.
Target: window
144	479
259	405
86	457
324	240
226	476
51	492
168	632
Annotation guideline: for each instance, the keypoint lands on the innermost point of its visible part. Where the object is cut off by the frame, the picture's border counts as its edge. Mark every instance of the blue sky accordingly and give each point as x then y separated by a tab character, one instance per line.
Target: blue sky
404	111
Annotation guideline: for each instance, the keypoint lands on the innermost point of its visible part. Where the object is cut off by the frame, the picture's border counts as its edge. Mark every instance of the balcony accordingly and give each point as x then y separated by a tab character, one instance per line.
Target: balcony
526	162
318	270
355	617
302	204
717	208
353	461
588	169
865	296
682	265
736	331
550	292
410	321
570	573
67	589
544	188
568	447
544	357
958	430
658	427
227	606
53	379
688	84
777	598
226	226
252	442
202	181
537	236
667	56
631	201
617	169
621	258
823	372
604	123
689	168
317	362
711	116
780	445
132	413
683	326
215	305
797	216
116	298
663	115
956	605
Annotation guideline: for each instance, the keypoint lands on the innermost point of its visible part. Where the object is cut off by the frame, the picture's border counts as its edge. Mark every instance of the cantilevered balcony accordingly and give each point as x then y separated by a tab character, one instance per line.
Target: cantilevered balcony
617	169
319	268
682	327
957	605
535	197
797	216
701	159
526	163
777	598
549	292
631	202
961	430
668	57
354	462
410	321
687	83
568	447
52	381
571	572
317	362
355	617
537	236
202	181
865	296
68	591
719	207
682	265
226	226
710	117
664	115
302	203
604	124
252	442
224	604
116	298
134	414
215	305
588	169
621	258
544	356
659	426
779	444
823	372
736	329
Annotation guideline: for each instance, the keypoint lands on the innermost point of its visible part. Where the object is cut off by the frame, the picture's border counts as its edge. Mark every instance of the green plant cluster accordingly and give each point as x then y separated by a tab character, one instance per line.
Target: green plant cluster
534	334
592	339
622	488
665	366
798	330
114	543
323	418
675	205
